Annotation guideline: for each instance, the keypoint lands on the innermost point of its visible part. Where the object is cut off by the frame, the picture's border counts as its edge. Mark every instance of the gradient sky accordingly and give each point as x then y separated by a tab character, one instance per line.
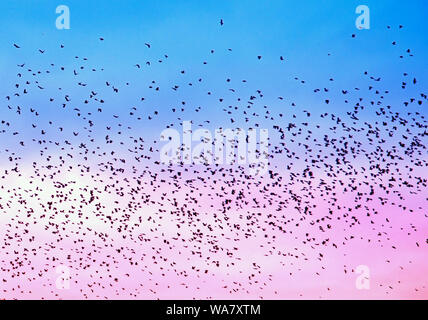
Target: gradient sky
315	39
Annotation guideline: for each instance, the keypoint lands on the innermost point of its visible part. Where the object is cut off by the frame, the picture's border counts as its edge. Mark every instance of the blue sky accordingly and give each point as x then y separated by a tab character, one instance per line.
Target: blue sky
314	37
301	31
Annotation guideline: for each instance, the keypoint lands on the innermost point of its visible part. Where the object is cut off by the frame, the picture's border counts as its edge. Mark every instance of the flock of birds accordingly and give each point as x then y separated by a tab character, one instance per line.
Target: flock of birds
82	186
